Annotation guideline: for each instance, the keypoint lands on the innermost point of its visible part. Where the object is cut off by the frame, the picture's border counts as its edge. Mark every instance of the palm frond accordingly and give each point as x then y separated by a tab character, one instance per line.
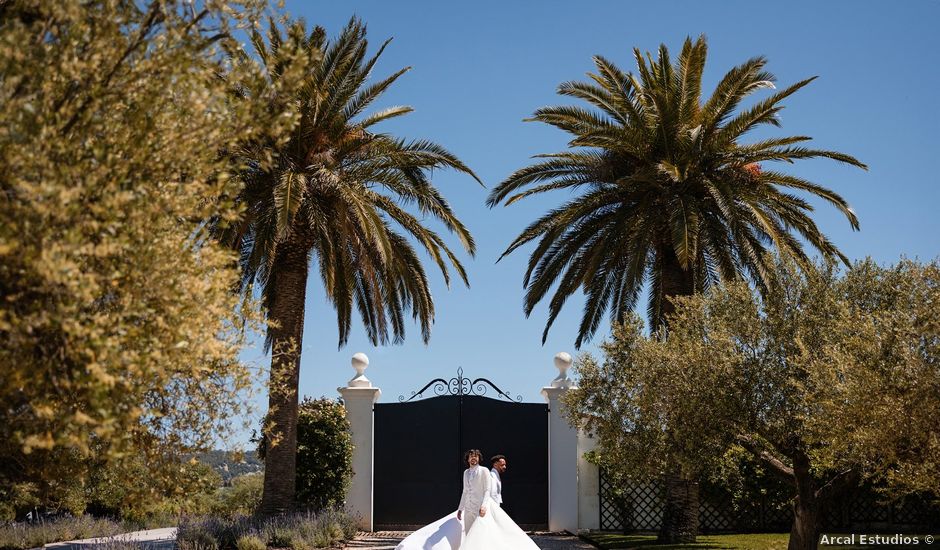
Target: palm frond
288	196
338	195
665	193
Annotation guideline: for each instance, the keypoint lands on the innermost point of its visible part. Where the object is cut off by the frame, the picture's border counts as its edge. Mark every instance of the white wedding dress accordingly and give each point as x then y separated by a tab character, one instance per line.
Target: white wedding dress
494	531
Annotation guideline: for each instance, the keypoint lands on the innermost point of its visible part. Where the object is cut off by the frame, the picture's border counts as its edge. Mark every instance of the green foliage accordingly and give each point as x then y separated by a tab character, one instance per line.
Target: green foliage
752	488
827	379
668	193
120	331
324	454
123	489
17	495
241	498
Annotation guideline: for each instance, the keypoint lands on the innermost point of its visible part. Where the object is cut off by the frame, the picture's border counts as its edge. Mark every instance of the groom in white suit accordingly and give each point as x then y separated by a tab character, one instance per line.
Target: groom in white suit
476	487
496	479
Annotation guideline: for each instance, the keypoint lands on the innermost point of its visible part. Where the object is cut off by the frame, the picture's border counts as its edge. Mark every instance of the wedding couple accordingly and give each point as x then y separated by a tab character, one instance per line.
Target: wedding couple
479	522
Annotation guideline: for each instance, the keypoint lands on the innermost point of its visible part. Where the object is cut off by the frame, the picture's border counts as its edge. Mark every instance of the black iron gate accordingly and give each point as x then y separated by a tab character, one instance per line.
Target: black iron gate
419	446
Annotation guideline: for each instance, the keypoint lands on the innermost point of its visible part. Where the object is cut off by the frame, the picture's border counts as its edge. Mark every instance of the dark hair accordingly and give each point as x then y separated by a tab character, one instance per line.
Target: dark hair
466	455
496	458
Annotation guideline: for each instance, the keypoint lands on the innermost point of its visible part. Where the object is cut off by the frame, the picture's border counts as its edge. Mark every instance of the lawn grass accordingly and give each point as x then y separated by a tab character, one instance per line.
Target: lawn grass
756	541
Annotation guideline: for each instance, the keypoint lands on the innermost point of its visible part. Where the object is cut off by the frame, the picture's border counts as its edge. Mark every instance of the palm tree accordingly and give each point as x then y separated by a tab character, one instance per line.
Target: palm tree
667	194
333	192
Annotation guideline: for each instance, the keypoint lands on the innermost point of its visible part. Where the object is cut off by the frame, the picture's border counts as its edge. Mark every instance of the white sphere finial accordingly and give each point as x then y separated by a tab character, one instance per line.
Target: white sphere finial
562	363
360	362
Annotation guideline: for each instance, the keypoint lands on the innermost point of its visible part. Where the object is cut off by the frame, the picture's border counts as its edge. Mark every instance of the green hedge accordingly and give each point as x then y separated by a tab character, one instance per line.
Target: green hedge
324	454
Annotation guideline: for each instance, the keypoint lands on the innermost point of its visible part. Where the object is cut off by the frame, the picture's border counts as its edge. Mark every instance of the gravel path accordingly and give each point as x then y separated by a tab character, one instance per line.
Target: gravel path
152	539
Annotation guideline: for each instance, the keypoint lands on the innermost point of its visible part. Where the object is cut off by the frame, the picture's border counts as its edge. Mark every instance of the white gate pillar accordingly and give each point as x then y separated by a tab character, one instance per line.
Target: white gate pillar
358	398
562	454
589	487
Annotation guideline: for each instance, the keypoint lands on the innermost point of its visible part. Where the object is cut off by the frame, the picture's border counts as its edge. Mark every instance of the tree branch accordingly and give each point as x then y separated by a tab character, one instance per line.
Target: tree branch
154	16
776	465
839	483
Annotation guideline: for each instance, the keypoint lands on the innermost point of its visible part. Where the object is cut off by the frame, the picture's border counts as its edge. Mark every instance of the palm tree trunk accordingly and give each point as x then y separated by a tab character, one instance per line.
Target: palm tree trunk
287	315
675	281
680	509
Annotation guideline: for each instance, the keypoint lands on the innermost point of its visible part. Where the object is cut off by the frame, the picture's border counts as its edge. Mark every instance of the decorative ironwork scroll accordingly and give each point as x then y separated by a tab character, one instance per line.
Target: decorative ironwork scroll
459	385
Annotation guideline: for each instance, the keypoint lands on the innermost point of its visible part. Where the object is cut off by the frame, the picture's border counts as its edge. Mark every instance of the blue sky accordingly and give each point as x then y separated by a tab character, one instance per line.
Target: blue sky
480	67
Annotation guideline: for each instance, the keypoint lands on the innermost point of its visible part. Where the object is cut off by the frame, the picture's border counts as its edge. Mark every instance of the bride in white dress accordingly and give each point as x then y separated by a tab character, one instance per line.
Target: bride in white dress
478	523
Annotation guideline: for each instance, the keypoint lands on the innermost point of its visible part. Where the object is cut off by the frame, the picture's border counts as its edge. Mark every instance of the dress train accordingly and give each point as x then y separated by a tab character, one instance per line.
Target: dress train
444	534
494	531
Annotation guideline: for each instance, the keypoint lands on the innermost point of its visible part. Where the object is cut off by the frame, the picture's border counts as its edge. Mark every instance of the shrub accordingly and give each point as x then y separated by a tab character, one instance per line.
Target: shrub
324	454
194	535
278	535
321	539
224	531
128	492
203	542
17	495
309	530
300	531
242	498
300	542
19	536
250	542
121	545
345	524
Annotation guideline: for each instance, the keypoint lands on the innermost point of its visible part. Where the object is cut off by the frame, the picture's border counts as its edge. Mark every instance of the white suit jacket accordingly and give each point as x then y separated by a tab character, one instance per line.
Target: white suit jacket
476	487
496	487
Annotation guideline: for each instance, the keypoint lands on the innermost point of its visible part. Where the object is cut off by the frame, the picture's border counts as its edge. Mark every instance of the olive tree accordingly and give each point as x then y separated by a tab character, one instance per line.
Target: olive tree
826	380
120	330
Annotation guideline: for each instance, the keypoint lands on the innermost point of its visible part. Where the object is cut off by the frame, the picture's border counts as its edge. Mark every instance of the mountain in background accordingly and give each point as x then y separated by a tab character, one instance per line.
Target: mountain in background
230	464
